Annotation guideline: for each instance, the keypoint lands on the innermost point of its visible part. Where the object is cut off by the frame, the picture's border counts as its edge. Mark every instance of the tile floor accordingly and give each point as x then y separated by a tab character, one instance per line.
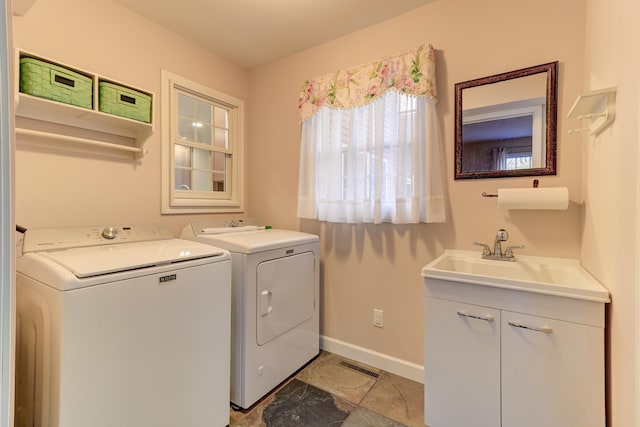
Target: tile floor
334	391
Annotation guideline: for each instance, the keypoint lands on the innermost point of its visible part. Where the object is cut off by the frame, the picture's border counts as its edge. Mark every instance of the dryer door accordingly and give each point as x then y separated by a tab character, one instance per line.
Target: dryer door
285	295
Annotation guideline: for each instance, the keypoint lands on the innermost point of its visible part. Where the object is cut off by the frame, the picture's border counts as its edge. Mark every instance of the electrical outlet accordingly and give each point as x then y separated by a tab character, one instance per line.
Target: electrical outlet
377	318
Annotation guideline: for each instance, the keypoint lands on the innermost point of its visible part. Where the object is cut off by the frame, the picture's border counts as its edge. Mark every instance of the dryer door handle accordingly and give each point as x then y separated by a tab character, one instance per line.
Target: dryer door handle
265	303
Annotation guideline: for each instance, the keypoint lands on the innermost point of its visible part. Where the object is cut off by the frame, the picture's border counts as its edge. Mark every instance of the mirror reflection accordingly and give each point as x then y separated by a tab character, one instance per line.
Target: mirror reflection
506	124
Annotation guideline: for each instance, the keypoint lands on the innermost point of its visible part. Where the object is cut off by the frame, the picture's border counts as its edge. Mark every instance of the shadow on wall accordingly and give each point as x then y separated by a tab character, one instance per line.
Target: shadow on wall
545	229
343	240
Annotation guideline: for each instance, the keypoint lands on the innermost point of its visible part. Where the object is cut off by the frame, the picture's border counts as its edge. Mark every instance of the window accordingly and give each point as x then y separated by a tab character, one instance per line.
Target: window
516	161
361	163
372	164
370	144
202	148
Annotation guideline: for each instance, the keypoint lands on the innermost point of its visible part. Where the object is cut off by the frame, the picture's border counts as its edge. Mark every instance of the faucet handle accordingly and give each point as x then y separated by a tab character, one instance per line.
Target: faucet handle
486	250
509	251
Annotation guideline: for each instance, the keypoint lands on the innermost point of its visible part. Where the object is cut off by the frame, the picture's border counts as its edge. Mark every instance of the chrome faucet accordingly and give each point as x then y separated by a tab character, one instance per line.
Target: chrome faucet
501	236
507	255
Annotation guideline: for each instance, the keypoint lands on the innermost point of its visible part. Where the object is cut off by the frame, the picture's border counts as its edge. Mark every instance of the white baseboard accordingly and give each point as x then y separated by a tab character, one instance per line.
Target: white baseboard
385	362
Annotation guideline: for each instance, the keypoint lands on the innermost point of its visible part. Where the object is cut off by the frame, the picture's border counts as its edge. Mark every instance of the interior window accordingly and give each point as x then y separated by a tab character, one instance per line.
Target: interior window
202	148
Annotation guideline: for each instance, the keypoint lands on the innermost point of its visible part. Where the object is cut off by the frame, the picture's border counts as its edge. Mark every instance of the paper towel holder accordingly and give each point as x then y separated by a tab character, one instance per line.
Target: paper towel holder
535	185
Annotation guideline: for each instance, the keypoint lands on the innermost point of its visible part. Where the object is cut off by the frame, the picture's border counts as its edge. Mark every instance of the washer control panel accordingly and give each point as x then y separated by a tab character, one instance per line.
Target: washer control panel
110	233
75	237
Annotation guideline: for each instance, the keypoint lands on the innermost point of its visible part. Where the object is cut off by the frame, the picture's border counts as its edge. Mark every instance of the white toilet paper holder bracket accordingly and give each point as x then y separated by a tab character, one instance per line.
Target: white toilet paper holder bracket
485	194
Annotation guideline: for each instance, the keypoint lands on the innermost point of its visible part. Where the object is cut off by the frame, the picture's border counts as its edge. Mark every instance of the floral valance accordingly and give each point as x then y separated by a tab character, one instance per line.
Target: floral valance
412	73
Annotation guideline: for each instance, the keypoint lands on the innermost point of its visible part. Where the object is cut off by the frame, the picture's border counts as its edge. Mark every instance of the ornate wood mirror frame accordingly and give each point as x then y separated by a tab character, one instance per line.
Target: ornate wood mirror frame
505	124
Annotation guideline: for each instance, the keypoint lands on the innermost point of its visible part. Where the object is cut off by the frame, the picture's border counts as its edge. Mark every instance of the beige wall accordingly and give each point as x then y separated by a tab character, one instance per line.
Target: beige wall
57	187
371	266
368	266
610	235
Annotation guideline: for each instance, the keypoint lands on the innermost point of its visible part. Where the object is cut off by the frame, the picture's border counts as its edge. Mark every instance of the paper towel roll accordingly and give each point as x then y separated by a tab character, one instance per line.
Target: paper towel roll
533	198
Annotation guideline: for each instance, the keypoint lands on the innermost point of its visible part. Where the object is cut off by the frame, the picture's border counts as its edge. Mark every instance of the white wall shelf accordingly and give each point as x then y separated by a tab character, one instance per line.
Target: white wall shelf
598	106
42	109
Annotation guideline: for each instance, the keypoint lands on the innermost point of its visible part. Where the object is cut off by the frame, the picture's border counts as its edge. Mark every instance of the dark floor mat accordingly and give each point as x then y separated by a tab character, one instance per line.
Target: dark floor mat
301	404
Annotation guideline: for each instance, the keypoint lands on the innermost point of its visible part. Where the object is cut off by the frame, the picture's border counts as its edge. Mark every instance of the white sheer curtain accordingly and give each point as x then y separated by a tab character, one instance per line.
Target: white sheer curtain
499	159
370	144
372	164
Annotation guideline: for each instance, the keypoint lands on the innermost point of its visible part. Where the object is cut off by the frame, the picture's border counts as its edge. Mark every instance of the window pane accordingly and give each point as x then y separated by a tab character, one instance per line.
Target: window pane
204	134
182	156
201	180
221	118
204	113
222	138
201	159
219	182
518	161
186	130
183	179
186	106
220	171
219	162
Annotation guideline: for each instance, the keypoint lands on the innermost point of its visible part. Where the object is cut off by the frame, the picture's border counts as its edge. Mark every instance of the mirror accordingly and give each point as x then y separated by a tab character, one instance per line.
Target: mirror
506	124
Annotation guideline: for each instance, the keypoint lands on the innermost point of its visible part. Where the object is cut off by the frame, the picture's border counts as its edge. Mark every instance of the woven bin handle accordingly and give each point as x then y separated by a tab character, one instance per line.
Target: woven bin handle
126	99
62	79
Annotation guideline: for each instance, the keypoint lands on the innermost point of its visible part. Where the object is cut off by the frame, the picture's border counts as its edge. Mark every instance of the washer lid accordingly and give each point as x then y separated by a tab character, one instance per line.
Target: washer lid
257	241
106	259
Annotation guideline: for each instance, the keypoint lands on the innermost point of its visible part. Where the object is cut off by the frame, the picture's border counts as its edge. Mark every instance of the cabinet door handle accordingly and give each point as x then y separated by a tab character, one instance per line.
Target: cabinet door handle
543	329
486	317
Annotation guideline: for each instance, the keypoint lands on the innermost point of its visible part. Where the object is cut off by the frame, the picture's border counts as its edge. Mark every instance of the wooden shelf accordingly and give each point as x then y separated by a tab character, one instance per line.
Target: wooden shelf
51	111
42	109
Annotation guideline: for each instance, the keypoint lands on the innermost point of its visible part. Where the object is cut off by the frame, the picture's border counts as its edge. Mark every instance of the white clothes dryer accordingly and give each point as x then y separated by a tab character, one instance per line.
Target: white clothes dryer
275	304
121	326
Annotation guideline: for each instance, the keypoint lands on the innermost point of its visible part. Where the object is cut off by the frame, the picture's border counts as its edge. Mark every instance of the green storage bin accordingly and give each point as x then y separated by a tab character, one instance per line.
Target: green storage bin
45	80
123	101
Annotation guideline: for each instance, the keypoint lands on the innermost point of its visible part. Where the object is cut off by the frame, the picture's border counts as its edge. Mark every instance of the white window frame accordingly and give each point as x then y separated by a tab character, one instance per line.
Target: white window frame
187	201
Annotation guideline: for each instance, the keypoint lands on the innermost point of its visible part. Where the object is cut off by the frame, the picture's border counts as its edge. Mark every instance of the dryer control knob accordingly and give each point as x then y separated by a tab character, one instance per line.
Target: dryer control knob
110	233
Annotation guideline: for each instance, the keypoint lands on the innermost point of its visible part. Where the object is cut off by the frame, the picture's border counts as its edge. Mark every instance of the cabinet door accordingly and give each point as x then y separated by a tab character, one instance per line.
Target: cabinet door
552	373
462	365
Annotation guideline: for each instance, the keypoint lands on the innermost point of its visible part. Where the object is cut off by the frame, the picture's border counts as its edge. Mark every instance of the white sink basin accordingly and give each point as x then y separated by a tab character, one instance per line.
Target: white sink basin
552	276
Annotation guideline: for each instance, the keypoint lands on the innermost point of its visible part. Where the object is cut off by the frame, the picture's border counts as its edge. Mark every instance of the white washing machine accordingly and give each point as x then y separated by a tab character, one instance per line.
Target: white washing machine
121	326
275	304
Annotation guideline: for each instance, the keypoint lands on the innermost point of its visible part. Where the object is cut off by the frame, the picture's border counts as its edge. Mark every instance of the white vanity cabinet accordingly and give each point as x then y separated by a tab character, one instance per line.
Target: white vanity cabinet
498	356
553	376
462	365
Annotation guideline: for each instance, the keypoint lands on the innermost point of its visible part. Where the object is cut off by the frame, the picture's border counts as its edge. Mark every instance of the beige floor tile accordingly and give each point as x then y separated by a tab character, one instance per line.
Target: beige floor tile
327	373
365	418
397	398
252	418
